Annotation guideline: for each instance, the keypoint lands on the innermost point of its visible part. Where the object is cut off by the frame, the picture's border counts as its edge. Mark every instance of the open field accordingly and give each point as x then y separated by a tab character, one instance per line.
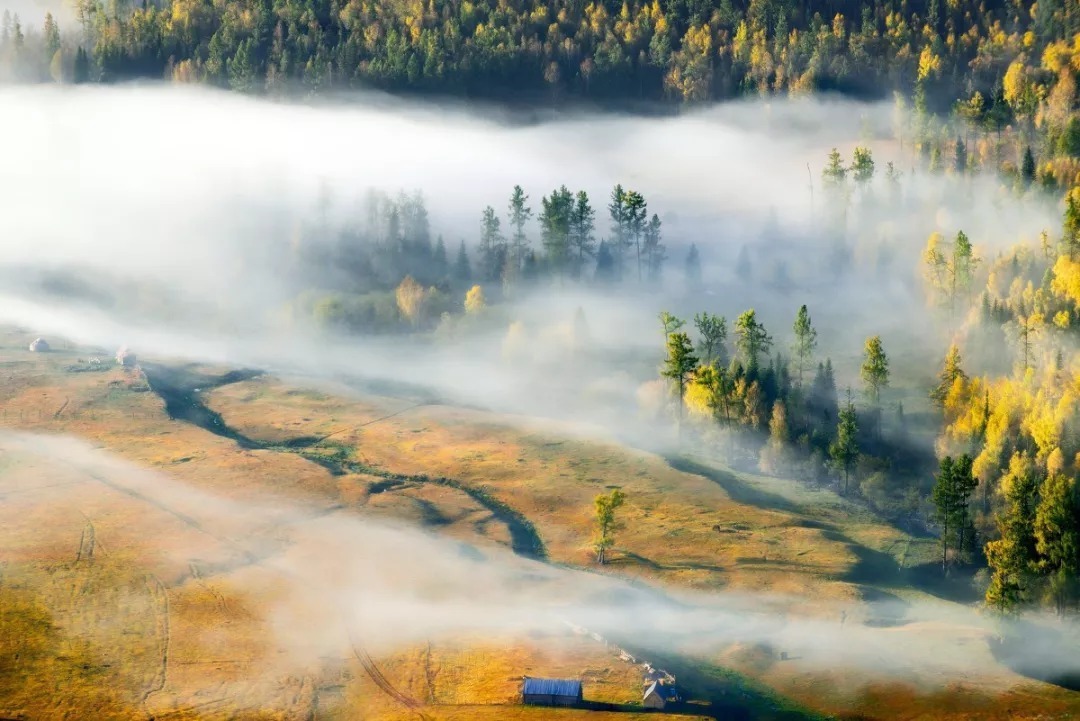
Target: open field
125	595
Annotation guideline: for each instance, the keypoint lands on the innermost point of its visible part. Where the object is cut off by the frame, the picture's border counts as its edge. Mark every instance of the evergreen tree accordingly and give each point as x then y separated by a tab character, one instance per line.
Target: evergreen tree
81	70
462	268
712	330
520	213
492	246
555	225
619	232
1012	557
693	267
960	160
875	369
1027	168
635	211
669	324
1070	231
605	263
805	342
582	227
679	367
834	173
751	340
654	250
1057	539
823	400
862	166
951	495
440	265
844	450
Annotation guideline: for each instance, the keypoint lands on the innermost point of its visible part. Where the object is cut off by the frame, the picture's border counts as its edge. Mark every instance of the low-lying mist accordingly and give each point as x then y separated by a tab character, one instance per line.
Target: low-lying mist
164	218
338	578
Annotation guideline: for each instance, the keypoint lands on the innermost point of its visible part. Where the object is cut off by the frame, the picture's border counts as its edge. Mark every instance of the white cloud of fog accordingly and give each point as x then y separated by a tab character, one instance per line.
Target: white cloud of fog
393	586
184	190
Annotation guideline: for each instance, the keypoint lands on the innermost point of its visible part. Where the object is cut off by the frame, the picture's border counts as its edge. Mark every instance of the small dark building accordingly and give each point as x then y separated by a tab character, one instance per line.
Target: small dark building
657	696
551	692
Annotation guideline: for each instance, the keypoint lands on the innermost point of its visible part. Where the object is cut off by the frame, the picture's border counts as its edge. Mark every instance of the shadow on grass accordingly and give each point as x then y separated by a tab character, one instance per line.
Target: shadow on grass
739	490
719	693
871	568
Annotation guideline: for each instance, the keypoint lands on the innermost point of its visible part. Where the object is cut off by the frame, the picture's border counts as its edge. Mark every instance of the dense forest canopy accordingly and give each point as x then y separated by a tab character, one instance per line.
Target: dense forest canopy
1013	54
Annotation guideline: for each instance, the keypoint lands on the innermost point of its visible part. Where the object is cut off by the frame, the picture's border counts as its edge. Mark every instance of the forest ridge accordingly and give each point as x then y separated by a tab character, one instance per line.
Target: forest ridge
1024	55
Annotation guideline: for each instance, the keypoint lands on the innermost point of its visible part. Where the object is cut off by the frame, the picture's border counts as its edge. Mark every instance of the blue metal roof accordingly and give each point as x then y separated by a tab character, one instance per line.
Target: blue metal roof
551	687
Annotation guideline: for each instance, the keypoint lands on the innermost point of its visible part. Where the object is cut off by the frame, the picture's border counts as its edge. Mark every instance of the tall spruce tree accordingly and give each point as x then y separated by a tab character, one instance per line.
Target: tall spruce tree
805	342
679	367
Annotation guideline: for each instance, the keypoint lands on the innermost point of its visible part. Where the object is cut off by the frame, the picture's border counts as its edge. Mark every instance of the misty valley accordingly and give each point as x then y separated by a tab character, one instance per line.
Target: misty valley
470	360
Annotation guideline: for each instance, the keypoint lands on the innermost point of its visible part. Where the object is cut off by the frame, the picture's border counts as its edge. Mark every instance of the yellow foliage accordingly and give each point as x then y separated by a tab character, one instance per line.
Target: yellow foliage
1066	281
474	300
1055	462
697	401
1056	56
929	63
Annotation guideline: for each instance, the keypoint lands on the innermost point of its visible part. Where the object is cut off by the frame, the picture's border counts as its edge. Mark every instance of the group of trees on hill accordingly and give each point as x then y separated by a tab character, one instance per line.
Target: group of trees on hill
769	409
562	240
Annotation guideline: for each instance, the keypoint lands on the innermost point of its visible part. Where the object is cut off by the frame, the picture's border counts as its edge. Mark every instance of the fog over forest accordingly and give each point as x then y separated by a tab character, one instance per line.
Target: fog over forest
183	205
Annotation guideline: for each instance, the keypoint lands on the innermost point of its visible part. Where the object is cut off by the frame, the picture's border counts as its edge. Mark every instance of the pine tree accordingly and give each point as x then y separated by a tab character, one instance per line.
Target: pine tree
679	366
440	265
1027	168
1057	538
862	165
582	227
605	263
81	70
712	330
669	324
492	246
462	268
555	226
519	216
875	369
1070	231
1012	557
844	450
635	212
805	342
834	173
960	160
693	267
751	340
654	250
617	243
951	495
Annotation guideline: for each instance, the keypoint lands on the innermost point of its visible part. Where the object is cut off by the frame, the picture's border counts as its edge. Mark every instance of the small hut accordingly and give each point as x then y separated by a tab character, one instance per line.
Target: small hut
551	692
656	696
125	357
40	345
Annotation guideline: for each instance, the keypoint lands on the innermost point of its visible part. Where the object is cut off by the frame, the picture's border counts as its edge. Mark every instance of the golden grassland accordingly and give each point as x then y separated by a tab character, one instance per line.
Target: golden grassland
102	616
